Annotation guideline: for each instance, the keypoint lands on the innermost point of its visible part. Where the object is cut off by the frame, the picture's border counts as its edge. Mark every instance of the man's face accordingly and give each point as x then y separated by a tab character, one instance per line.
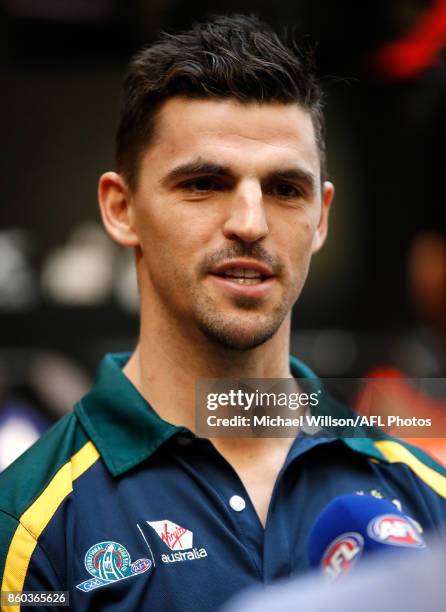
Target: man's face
227	213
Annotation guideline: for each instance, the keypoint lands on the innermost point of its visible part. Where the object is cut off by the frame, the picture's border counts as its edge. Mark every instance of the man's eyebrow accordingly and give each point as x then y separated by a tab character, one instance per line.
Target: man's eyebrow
294	174
195	168
200	167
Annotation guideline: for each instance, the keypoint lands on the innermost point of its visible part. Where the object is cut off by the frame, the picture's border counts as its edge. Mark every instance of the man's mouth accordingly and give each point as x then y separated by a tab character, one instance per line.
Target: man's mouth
243	276
243	272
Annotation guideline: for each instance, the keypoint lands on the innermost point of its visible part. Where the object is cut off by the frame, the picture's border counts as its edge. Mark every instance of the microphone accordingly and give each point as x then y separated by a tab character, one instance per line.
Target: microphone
355	525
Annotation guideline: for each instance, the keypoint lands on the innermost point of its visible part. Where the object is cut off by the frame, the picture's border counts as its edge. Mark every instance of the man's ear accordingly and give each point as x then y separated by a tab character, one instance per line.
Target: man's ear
322	228
116	209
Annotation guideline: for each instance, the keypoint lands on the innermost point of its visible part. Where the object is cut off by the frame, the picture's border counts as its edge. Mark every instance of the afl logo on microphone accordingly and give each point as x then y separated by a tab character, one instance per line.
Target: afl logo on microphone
395	530
342	554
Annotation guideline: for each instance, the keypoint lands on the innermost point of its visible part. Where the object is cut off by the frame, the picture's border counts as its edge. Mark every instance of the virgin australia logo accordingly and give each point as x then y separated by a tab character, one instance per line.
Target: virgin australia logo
178	539
110	562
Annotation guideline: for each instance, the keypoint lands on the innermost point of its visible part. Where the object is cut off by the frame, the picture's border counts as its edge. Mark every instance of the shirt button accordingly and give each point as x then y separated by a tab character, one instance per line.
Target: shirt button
237	503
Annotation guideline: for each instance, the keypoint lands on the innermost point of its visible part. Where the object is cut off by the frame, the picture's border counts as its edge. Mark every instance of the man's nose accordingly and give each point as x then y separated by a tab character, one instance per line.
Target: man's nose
246	219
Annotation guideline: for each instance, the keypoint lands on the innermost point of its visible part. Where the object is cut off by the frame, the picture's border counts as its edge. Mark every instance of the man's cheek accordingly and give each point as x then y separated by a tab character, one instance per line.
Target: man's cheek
301	263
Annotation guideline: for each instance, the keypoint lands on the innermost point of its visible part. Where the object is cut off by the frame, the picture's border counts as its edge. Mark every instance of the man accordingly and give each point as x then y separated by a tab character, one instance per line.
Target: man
220	190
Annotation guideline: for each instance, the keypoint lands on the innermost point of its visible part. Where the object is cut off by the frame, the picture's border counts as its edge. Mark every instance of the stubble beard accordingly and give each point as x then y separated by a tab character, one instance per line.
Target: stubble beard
234	330
245	326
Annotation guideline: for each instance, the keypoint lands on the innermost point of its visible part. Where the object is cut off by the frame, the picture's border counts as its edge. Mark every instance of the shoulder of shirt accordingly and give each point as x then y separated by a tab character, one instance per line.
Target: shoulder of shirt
31	491
44	474
398	452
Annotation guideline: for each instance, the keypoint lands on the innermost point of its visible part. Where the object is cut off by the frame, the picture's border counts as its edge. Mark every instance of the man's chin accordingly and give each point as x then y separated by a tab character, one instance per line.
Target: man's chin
238	327
237	337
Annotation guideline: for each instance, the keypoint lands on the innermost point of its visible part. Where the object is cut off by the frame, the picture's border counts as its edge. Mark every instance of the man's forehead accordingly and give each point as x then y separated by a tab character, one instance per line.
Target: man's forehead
224	127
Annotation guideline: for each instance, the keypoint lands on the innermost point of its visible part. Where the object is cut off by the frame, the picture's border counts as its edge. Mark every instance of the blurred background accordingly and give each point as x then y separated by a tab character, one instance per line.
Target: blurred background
375	302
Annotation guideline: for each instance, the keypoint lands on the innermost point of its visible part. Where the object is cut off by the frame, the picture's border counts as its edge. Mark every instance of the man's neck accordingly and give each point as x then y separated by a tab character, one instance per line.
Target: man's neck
169	359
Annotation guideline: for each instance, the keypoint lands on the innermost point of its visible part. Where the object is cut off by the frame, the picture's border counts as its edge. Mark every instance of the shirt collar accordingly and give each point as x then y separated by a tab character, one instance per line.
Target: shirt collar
126	430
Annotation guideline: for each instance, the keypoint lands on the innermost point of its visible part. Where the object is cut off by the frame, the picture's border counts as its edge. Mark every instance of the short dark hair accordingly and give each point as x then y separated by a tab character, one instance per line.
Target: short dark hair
236	56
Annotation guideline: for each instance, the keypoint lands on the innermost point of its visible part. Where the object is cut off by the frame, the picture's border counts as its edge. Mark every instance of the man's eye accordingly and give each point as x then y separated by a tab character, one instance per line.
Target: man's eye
203	184
284	190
